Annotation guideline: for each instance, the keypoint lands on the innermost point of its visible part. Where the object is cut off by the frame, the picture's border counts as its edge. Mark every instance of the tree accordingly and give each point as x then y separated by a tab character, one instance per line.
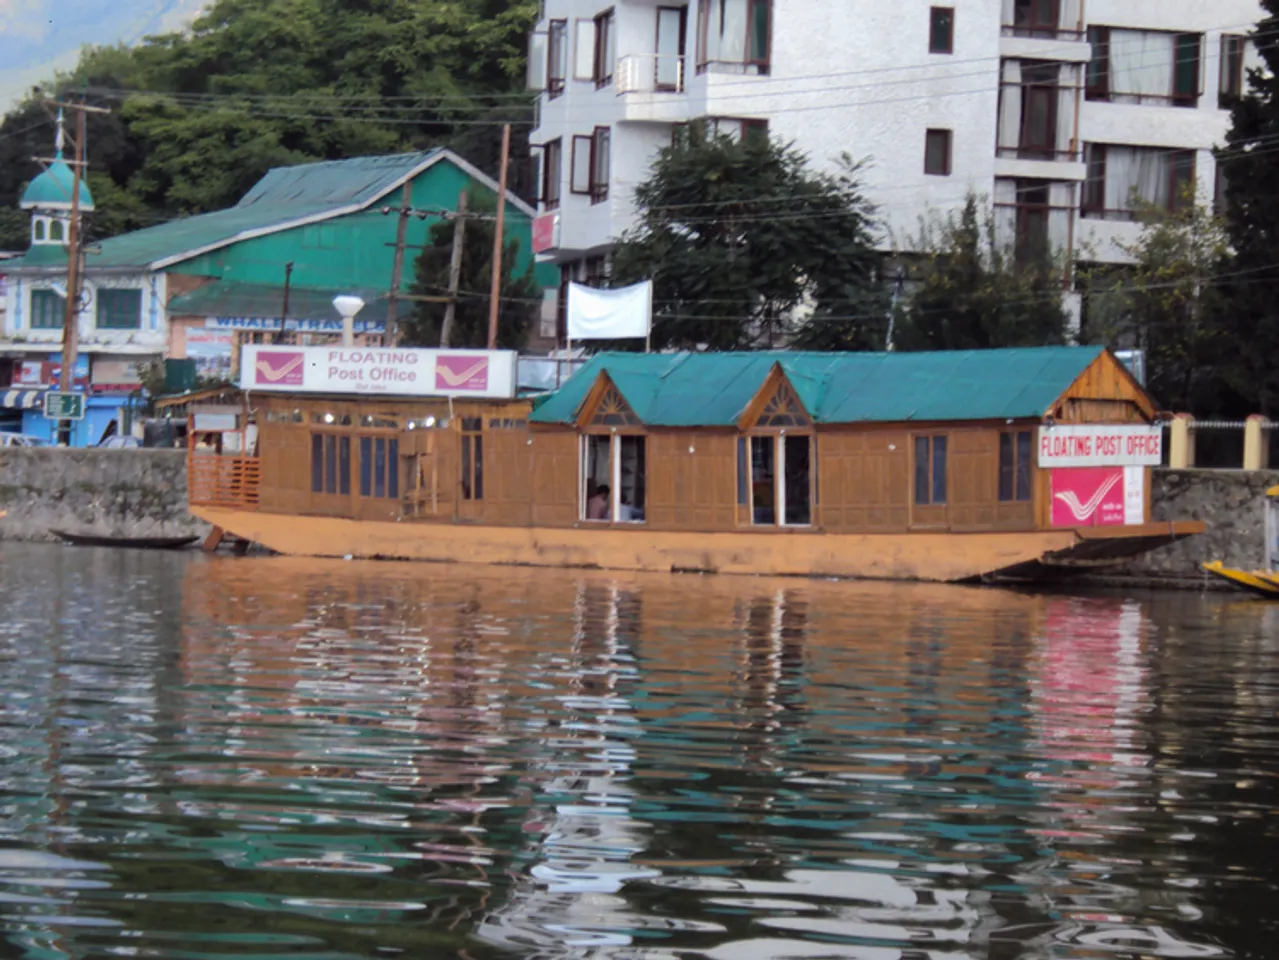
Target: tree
520	295
1247	281
971	291
738	235
1167	304
200	115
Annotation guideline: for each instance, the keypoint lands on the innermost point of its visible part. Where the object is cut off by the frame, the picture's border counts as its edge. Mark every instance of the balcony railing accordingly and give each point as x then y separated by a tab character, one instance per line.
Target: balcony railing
650	73
215	480
1043	32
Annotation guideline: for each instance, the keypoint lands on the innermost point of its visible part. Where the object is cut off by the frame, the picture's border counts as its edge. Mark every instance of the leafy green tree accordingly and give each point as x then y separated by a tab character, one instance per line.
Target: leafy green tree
198	116
1247	280
738	235
970	291
1167	303
520	295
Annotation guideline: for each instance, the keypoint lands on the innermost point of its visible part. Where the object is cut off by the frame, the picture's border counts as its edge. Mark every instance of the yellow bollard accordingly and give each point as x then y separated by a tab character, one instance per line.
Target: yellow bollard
1256	443
1181	442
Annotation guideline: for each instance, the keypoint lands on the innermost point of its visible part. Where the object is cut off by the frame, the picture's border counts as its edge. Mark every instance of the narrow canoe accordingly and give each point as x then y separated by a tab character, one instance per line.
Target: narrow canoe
1260	582
143	543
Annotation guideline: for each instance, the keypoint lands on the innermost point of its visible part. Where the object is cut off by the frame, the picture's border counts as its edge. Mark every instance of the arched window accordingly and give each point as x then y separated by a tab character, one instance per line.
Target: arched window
614	411
55	231
37	230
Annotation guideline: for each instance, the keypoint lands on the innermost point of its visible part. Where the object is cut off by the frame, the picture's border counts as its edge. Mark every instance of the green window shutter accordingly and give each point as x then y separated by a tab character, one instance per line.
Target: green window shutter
119	309
48	310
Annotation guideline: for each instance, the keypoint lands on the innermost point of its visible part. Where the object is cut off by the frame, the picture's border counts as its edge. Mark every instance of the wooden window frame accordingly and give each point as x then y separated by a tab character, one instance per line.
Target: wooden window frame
1184	168
555	86
471	459
746	447
573	188
60	314
1097	84
762	65
1051	90
334	449
598	189
1097	70
1035	28
947	137
1231	72
105	296
552	182
603	58
931	439
1188	99
934	40
614	434
1016	489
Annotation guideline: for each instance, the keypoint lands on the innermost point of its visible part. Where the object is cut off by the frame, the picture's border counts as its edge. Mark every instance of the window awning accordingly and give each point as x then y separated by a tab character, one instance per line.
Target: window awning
21	399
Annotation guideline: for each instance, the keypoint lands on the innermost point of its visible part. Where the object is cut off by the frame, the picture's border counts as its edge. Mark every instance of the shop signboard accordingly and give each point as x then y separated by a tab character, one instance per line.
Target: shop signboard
1101	445
1098	496
399	371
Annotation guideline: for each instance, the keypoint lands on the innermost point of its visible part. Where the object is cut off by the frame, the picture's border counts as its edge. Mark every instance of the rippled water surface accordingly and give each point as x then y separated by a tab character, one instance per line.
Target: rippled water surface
261	758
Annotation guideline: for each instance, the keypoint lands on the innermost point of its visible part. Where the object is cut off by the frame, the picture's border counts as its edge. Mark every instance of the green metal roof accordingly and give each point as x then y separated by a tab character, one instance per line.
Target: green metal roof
51	190
714	389
285	196
231	298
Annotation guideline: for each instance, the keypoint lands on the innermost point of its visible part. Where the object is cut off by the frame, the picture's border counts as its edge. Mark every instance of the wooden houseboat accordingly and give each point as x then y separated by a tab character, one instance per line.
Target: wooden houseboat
949	466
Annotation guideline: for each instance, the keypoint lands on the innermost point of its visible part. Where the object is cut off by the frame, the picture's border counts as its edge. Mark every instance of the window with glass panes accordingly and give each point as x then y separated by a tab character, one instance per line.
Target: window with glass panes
48	310
119	309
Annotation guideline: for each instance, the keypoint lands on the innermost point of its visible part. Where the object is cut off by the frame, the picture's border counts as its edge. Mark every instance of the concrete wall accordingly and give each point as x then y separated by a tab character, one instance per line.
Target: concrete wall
1230	502
133	493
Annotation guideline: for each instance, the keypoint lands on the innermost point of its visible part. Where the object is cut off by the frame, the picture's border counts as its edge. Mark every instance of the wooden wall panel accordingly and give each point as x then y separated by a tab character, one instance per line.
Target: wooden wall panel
508	476
974	479
1104	393
555	479
864	479
692	491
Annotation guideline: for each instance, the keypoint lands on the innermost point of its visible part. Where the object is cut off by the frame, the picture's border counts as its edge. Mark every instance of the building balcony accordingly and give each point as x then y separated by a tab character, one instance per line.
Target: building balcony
651	87
1061	46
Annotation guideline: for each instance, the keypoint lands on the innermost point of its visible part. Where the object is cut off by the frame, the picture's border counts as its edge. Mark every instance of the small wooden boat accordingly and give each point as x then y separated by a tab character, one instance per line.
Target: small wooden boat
1265	582
136	543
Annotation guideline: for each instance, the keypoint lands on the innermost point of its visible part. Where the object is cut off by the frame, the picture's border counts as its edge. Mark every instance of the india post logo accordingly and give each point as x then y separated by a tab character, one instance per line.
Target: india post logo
454	373
285	368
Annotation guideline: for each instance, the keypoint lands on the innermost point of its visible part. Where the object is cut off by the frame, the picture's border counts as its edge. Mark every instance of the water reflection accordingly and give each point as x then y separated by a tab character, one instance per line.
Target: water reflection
206	757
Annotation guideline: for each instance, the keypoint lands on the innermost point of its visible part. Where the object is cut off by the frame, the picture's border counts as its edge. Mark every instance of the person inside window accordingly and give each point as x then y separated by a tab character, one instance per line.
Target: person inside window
597	505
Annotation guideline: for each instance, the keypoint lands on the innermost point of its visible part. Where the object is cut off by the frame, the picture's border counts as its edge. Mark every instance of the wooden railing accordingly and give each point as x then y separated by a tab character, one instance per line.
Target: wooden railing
224	481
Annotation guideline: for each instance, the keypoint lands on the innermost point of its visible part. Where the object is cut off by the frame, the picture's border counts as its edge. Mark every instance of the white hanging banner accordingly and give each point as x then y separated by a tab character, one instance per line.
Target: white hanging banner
622	314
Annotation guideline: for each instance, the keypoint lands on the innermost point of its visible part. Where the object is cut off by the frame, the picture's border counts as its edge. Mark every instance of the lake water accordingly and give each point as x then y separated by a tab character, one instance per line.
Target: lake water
278	758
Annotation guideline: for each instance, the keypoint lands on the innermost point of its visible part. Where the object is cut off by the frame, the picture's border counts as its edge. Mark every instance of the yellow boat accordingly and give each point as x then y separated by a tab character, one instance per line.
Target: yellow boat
1262	582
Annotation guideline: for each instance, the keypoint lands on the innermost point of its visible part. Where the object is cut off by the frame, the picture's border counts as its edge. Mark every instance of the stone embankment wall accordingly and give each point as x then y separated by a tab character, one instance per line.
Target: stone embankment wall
1230	502
142	493
125	493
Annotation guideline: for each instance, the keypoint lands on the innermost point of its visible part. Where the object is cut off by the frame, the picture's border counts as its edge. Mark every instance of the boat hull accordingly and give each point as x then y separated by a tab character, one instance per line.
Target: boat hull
946	557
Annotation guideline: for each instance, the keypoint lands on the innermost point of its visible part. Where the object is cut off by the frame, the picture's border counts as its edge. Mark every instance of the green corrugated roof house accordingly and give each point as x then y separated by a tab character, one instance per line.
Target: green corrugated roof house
716	389
335	222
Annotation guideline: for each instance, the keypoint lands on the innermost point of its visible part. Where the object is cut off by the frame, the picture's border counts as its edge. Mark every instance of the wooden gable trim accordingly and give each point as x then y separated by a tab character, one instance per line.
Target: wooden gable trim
1107	360
755	409
587	412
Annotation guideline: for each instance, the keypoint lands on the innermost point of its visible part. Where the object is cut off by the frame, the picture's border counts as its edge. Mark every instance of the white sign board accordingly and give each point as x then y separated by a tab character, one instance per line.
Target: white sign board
1100	445
399	371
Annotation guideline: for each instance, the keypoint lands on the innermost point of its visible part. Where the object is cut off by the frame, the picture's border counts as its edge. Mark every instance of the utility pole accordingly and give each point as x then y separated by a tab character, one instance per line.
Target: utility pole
495	288
455	271
75	253
284	311
397	267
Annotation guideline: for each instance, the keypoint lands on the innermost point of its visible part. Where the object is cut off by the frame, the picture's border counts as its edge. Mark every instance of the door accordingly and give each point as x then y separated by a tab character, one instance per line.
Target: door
671	33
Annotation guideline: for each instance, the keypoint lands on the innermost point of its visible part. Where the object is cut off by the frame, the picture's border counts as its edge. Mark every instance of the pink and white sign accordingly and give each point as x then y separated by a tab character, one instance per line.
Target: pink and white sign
405	372
546	232
462	372
1101	445
1098	497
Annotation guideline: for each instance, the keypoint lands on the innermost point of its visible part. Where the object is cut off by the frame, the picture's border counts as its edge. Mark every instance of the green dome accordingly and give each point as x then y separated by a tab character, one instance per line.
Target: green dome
52	190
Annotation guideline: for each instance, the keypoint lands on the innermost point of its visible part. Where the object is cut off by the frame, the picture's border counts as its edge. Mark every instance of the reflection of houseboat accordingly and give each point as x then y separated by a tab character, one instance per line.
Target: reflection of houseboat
944	466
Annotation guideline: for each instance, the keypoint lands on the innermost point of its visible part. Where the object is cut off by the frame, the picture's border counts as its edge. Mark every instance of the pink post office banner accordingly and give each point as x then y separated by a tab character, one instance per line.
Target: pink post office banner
401	371
1098	496
1101	445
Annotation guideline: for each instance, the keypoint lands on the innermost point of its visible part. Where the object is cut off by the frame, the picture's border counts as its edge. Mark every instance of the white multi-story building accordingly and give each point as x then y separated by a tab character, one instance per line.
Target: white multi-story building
1061	112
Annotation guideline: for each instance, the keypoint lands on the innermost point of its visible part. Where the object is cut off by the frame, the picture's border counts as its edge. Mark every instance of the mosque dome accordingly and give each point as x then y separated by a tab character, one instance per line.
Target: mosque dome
51	190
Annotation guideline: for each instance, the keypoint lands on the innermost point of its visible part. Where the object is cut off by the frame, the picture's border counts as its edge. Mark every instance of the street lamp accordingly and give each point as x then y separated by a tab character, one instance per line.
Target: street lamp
348	307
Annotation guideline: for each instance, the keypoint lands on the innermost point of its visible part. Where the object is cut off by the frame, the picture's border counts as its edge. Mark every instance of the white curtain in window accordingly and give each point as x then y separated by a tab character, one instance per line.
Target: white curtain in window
1061	197
1069	13
1134	174
1069	80
726	31
1010	106
1009	12
1141	63
1005	204
584	52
